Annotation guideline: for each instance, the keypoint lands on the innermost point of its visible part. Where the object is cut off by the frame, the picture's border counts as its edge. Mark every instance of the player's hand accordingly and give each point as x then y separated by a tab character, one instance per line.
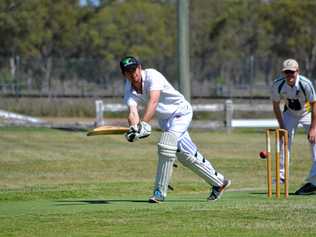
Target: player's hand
144	130
312	135
130	135
138	131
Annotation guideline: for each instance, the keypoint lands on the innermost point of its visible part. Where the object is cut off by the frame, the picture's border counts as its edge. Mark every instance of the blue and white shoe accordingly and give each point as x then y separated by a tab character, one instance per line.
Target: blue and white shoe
157	197
217	192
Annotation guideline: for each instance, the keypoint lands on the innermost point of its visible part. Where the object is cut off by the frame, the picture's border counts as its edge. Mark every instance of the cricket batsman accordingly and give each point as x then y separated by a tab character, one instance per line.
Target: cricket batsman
150	88
298	94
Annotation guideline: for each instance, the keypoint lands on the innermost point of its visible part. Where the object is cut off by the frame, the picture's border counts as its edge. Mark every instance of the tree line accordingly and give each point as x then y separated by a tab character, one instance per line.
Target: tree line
52	45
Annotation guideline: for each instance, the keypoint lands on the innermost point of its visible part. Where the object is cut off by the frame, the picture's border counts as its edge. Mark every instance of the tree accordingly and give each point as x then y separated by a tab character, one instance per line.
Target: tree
46	29
144	29
292	31
225	36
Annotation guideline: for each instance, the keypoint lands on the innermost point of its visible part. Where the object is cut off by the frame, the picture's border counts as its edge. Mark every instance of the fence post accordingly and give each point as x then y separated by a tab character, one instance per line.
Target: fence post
229	110
99	113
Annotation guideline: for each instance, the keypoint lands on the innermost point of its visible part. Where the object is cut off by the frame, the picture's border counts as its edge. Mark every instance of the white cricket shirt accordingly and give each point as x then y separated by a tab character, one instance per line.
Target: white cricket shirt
297	98
171	101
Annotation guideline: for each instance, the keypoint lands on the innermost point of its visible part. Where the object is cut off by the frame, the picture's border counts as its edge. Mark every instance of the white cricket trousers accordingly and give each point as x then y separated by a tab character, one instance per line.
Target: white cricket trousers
178	124
291	122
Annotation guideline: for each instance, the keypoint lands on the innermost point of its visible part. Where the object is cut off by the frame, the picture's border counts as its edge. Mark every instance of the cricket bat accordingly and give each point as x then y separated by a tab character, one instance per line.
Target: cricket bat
107	130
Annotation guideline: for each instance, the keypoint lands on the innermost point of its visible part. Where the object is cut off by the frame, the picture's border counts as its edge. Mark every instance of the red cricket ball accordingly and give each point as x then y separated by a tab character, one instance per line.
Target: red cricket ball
263	154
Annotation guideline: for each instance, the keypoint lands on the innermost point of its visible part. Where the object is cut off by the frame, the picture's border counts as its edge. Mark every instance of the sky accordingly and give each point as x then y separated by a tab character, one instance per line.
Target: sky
83	2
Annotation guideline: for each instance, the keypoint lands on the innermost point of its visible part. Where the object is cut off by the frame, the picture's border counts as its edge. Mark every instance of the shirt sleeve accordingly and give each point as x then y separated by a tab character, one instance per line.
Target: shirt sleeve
275	96
310	92
156	80
129	99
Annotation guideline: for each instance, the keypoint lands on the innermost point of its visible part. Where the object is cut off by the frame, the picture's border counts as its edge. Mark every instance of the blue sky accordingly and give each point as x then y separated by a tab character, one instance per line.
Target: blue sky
83	2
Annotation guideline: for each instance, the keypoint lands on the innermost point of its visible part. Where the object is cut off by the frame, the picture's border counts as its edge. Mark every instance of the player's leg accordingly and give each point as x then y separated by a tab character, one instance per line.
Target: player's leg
290	123
191	158
310	186
311	180
194	160
312	172
167	148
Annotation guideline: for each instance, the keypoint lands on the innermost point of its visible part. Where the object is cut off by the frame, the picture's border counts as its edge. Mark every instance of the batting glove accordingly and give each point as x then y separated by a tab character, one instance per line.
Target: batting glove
130	135
144	130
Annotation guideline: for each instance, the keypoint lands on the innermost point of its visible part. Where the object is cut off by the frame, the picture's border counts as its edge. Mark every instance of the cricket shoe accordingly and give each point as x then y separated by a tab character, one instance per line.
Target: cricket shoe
282	181
157	197
217	191
306	189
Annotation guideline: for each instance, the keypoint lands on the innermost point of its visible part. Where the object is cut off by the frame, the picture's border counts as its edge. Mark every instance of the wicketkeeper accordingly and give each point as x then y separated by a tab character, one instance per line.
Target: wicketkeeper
174	114
298	94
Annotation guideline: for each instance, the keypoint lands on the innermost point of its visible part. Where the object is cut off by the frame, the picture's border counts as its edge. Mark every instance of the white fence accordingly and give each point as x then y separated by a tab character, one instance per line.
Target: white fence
228	107
19	118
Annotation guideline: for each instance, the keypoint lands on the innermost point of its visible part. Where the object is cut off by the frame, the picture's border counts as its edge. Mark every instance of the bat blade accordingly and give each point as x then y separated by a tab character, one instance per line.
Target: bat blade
107	130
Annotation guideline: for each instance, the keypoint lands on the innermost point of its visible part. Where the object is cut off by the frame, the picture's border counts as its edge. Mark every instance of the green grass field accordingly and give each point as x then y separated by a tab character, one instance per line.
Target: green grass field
56	183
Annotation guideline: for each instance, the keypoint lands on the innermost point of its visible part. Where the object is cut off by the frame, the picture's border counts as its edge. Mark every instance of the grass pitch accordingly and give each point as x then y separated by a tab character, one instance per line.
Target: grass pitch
55	183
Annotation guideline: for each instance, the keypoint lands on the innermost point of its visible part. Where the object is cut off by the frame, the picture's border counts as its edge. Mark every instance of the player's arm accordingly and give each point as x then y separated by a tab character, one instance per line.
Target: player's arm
151	105
312	129
278	113
143	128
133	116
133	121
138	129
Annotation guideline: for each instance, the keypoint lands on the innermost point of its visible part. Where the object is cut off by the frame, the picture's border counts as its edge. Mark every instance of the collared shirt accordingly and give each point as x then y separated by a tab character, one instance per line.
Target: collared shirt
171	101
297	98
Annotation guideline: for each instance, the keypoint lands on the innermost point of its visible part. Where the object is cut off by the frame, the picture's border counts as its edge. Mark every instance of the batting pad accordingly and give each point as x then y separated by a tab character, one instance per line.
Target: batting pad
202	168
167	148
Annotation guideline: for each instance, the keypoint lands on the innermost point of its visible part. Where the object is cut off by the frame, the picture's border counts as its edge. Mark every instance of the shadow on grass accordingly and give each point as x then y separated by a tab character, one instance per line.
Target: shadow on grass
104	202
273	194
94	202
